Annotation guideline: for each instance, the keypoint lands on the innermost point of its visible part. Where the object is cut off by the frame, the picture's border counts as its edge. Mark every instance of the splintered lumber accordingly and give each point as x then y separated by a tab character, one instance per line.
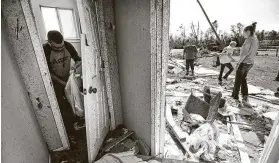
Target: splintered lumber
240	143
116	141
206	94
180	135
214	105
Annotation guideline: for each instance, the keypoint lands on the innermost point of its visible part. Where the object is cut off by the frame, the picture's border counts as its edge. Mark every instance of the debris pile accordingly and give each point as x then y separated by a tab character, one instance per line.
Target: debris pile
122	140
209	125
121	146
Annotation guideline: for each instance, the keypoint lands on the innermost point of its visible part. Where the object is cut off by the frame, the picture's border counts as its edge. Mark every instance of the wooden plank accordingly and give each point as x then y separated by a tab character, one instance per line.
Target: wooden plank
177	131
116	141
180	135
214	106
270	153
240	143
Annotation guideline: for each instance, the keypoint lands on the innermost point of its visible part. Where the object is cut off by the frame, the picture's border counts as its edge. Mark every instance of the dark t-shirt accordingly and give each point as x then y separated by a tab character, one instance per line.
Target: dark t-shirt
190	52
59	62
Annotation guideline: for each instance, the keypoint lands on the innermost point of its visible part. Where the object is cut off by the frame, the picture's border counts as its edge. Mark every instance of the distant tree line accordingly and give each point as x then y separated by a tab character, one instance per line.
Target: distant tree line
203	39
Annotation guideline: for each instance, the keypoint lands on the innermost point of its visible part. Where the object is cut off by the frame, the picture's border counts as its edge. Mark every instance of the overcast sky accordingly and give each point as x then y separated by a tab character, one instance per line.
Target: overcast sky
226	12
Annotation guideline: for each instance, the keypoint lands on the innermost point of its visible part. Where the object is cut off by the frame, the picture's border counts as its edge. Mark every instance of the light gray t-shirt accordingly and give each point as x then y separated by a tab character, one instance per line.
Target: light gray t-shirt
59	62
249	49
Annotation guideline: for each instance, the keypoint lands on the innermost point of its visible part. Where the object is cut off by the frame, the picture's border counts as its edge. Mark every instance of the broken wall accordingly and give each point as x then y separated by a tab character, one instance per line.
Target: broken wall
133	44
22	140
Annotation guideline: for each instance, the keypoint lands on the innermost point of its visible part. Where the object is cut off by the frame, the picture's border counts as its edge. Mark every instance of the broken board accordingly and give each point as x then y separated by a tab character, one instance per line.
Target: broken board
240	143
180	135
197	106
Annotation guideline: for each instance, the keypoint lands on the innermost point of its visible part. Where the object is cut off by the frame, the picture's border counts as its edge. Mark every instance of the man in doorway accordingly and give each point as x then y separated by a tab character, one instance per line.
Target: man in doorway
59	53
190	53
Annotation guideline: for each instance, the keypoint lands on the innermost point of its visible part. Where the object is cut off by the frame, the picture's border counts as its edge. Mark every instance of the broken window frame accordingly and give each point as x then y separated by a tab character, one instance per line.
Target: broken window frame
60	23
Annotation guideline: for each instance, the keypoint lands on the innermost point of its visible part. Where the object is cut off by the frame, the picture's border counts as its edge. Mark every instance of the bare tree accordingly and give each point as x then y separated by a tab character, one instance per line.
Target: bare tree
183	34
272	35
236	31
195	32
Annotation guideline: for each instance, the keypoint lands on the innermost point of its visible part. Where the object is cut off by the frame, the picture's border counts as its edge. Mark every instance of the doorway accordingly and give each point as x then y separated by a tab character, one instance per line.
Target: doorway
85	100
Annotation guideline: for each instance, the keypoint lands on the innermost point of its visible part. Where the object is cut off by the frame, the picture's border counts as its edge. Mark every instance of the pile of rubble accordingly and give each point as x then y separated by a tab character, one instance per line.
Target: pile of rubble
121	146
212	127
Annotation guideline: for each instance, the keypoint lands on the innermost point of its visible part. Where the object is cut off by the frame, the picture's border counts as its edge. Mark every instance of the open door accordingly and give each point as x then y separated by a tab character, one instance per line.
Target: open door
95	102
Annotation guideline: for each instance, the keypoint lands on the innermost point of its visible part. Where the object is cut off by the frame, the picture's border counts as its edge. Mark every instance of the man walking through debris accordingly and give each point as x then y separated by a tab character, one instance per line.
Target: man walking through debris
225	60
58	54
190	53
247	56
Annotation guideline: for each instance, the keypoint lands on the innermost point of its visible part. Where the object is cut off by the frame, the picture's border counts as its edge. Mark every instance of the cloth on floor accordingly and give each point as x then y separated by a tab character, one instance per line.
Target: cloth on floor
203	142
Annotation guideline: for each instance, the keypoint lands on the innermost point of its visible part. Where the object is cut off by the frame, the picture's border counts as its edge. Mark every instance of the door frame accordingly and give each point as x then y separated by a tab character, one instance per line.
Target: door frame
107	35
159	32
24	37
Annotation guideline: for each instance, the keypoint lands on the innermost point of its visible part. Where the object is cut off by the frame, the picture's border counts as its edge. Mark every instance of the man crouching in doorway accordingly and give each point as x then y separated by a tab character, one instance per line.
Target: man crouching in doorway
190	53
225	60
58	54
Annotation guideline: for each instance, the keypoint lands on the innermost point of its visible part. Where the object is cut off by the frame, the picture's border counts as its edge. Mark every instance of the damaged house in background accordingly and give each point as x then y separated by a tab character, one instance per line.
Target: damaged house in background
124	46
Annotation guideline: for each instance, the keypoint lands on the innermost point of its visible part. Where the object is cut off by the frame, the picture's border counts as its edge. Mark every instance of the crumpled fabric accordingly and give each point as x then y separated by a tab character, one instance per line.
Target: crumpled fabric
203	142
74	96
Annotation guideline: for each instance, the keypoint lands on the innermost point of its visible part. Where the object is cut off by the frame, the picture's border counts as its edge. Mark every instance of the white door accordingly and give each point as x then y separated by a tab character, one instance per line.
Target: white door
95	101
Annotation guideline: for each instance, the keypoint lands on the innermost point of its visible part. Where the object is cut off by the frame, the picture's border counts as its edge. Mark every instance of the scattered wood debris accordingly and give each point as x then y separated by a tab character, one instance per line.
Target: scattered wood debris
195	125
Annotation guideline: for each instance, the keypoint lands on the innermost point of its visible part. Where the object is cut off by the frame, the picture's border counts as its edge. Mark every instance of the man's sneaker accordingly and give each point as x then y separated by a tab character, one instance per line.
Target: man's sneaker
225	78
187	73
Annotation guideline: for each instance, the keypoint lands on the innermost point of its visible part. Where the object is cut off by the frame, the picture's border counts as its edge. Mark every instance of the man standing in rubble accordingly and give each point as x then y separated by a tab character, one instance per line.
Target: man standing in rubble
190	53
58	54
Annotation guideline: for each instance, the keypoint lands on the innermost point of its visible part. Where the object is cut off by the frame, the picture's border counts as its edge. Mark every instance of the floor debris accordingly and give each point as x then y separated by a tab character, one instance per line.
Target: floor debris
233	121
